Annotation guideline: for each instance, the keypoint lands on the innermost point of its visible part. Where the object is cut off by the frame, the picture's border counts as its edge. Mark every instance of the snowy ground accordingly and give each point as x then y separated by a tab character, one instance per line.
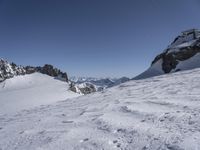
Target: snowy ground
161	113
28	91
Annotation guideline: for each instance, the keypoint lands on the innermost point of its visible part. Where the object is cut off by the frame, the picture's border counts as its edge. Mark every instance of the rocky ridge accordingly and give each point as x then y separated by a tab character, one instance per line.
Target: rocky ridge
9	70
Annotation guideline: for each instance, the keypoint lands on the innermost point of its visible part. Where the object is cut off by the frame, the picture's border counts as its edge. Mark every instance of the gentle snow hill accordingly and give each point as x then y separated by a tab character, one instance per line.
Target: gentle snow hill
28	91
158	113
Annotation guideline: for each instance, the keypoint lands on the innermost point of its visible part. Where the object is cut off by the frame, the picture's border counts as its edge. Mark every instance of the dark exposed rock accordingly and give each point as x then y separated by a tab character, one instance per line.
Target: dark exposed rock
9	70
73	88
170	58
84	88
182	54
30	69
51	71
90	88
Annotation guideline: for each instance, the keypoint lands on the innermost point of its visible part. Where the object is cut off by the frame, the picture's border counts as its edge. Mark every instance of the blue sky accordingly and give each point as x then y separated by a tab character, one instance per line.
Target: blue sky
97	38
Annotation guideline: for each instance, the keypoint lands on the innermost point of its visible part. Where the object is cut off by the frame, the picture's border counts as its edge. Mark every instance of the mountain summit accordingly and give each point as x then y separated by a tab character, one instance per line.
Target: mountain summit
181	54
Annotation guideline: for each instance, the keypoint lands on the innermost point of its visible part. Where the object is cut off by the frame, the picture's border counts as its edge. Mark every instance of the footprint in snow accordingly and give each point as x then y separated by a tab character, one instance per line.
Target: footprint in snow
63	115
67	121
21	132
42	132
116	143
116	101
84	140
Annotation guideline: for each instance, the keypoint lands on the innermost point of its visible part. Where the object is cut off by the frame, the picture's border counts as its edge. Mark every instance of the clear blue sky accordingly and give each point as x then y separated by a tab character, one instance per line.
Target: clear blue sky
92	37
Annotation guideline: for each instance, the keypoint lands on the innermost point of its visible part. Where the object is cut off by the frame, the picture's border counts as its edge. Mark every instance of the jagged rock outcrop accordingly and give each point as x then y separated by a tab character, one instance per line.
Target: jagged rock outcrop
83	88
9	70
48	70
51	71
182	54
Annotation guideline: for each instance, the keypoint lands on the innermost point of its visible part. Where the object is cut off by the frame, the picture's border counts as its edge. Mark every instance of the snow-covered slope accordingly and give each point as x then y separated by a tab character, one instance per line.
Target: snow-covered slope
182	54
28	91
159	113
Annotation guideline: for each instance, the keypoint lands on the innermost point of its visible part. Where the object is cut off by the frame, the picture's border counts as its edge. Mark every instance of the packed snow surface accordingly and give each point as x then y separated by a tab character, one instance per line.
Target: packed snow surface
154	70
27	91
159	113
190	63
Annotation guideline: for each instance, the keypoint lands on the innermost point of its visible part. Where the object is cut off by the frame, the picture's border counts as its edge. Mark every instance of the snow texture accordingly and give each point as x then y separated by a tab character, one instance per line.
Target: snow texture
24	92
154	70
193	62
159	113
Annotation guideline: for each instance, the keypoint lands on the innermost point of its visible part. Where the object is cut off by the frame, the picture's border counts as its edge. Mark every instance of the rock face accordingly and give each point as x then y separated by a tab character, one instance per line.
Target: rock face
83	88
48	70
181	54
51	71
9	70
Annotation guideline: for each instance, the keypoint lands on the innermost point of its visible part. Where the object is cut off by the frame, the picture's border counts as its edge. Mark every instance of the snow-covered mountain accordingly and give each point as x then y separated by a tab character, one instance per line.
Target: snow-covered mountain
31	90
27	87
182	54
86	85
79	85
37	111
157	113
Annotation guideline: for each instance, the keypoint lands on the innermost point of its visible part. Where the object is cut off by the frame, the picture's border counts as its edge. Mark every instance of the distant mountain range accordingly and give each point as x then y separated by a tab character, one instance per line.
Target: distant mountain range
89	84
182	54
79	85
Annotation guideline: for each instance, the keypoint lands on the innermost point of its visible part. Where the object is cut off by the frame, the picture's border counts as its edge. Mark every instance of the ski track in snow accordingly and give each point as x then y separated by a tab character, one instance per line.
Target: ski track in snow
160	113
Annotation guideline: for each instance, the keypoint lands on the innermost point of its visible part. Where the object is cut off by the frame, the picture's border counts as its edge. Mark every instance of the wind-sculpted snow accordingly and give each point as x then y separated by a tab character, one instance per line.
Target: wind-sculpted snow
160	113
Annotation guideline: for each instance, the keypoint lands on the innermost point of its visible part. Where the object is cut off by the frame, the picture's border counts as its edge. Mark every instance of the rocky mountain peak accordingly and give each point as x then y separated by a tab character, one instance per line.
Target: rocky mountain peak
186	36
182	54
